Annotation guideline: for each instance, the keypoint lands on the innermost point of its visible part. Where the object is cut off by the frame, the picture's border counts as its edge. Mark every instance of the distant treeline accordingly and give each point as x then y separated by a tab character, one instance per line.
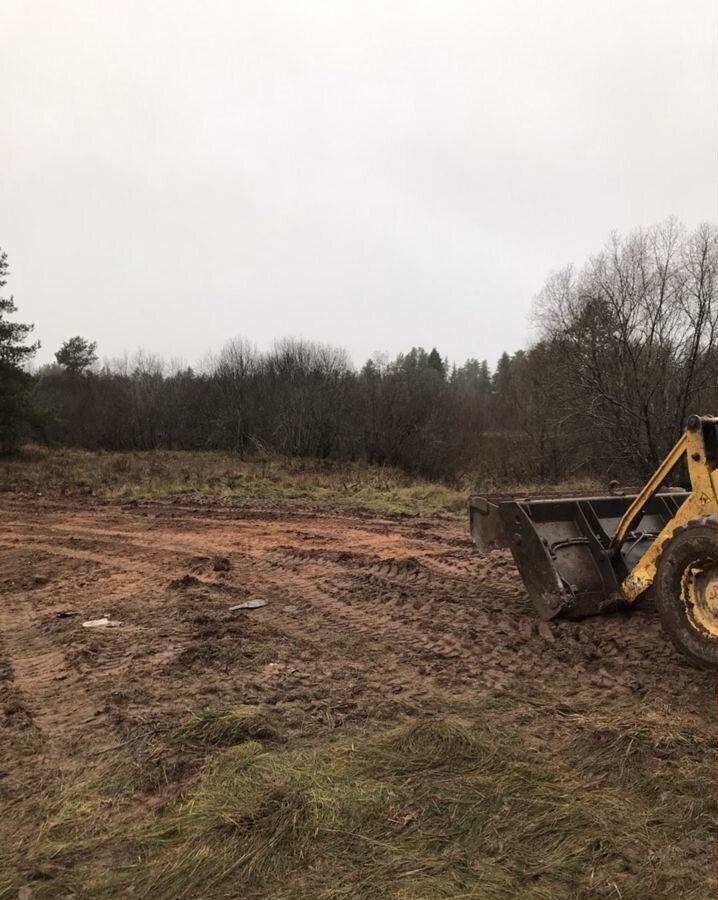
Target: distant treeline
627	348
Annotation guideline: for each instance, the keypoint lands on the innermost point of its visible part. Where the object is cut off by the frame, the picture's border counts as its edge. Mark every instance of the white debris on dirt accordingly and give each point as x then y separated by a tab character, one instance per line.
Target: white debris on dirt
248	604
103	622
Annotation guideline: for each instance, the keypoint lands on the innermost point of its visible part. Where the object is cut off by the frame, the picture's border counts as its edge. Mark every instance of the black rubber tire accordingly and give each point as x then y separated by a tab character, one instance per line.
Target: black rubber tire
695	541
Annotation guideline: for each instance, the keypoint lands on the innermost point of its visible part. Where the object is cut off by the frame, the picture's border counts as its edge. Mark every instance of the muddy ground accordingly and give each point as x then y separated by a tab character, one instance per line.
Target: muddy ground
368	620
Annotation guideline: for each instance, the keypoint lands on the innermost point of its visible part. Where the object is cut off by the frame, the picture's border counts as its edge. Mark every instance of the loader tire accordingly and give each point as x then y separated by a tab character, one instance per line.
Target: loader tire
686	588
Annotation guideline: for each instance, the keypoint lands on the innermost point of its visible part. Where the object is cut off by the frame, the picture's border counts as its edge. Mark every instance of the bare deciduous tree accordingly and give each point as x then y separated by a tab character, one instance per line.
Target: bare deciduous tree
636	329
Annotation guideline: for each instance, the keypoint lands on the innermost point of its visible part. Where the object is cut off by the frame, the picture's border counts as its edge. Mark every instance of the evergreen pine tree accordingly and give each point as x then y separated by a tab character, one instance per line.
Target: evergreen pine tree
435	362
14	380
76	355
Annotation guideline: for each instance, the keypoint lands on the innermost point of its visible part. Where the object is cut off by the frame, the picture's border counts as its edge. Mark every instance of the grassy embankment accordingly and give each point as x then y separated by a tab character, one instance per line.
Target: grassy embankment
161	473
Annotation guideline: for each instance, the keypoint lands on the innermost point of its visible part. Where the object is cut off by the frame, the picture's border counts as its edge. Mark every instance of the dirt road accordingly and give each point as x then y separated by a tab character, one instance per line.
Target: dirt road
366	620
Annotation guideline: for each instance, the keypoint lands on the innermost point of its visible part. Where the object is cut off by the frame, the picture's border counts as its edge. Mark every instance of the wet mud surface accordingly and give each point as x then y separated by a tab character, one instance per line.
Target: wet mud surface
358	622
366	619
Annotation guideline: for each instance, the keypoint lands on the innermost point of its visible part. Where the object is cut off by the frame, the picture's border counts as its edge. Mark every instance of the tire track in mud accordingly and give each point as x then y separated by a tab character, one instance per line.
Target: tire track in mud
364	613
474	627
46	690
377	599
64	676
14	713
459	572
367	653
433	621
317	626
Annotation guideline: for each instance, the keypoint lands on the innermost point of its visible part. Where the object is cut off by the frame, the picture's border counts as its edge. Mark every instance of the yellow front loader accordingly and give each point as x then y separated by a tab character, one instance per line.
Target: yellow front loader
585	555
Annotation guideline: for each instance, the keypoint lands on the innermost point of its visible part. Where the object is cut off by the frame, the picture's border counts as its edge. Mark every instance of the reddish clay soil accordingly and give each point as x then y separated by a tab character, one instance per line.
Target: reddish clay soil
367	619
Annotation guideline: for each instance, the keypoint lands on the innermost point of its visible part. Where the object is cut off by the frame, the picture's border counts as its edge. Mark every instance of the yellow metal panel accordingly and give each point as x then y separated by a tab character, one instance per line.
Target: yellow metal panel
641	578
702	501
635	510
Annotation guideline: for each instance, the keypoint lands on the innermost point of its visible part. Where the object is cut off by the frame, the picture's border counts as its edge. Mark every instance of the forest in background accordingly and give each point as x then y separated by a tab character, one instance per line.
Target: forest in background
626	349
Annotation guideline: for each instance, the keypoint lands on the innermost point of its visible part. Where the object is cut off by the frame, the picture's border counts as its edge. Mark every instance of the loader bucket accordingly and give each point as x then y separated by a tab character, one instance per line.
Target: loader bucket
561	548
485	524
487	530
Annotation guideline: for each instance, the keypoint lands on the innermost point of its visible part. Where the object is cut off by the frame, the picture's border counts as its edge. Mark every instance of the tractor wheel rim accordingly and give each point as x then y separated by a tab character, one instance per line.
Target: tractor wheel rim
699	590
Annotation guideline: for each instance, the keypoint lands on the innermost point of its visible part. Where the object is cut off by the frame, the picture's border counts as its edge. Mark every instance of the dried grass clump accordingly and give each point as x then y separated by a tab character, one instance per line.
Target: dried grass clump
225	729
489	806
155	474
438	808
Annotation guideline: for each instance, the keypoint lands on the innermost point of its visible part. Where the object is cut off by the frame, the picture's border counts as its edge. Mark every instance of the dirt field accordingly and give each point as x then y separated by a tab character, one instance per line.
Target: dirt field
370	624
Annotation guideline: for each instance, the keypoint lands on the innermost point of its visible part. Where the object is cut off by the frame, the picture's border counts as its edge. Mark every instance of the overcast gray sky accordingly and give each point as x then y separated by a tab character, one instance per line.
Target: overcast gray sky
369	174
